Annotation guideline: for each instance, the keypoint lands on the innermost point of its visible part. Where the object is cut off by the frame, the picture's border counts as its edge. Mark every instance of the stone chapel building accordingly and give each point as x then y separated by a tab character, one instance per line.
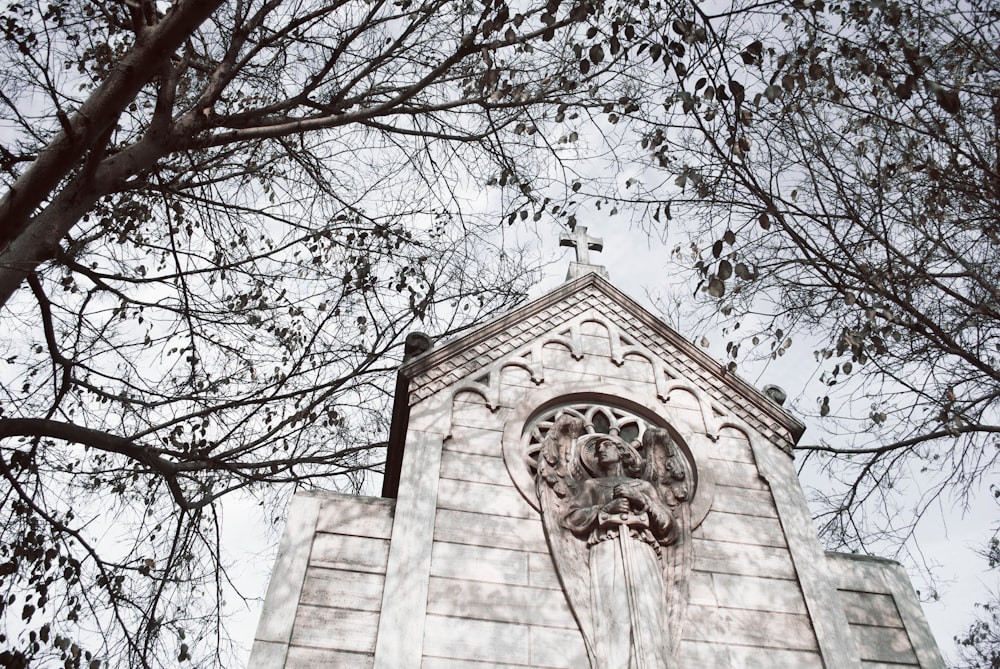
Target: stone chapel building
575	485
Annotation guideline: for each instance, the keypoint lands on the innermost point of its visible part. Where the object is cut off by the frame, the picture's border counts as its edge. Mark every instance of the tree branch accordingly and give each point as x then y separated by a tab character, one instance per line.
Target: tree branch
954	432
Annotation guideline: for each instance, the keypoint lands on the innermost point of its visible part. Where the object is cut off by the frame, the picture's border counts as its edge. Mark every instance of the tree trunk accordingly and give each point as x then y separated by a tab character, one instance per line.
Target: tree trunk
26	239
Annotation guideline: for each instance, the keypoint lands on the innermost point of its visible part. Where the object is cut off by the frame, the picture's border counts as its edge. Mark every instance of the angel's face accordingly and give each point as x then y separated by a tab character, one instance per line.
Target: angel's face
607	452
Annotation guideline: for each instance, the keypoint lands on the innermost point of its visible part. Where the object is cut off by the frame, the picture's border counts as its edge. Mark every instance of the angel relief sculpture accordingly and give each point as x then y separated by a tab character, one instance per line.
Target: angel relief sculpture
615	517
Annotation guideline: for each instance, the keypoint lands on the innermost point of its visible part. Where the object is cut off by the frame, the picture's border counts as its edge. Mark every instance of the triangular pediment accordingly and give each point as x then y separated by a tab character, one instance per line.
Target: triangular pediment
568	318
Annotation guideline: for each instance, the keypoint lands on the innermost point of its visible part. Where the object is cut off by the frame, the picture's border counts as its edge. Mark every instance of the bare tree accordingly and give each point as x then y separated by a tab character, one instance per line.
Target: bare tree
220	220
837	167
979	646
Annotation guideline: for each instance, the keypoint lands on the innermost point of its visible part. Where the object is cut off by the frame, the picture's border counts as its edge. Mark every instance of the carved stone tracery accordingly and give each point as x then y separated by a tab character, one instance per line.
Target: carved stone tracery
596	418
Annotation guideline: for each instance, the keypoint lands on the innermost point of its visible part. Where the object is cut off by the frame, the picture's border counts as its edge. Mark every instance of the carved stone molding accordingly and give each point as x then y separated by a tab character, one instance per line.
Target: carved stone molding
675	365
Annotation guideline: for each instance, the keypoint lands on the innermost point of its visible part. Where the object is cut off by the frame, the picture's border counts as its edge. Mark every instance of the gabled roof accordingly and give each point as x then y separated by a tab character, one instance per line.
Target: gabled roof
439	368
478	348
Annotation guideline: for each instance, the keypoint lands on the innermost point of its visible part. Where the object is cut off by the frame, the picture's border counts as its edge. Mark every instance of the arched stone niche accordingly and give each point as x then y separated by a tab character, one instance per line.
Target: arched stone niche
603	408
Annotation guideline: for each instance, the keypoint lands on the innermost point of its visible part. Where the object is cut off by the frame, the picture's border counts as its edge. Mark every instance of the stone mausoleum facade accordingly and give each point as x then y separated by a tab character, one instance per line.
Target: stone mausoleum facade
575	485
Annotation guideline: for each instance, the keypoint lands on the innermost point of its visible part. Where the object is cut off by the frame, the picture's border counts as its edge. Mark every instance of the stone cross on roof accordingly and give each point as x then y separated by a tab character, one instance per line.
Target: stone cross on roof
584	244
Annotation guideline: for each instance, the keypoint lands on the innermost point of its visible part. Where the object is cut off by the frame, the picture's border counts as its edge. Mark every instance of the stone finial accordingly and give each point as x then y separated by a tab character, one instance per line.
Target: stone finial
776	394
415	344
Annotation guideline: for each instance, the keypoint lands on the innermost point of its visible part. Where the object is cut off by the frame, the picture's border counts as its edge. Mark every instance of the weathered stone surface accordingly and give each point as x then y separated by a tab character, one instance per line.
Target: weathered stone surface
267	654
485	498
704	654
738	475
401	621
701	654
461	527
732	447
475	441
736	558
878	599
357	516
471	411
447	663
744	501
738	528
459	572
354	590
542	572
480	468
761	658
557	648
283	591
502	603
749	628
480	640
482	563
337	629
301	657
342	551
828	620
701	591
869	608
884	644
760	594
636	369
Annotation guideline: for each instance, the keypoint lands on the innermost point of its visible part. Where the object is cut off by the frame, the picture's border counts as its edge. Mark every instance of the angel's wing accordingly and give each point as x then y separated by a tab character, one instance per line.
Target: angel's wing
555	485
667	468
670	473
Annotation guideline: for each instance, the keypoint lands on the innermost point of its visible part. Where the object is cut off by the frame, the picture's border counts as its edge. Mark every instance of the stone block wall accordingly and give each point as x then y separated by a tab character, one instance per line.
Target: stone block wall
456	572
886	622
494	598
746	608
325	594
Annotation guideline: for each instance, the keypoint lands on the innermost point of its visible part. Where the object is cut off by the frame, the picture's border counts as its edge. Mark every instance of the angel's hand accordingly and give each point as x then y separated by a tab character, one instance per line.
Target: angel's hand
632	494
617	505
